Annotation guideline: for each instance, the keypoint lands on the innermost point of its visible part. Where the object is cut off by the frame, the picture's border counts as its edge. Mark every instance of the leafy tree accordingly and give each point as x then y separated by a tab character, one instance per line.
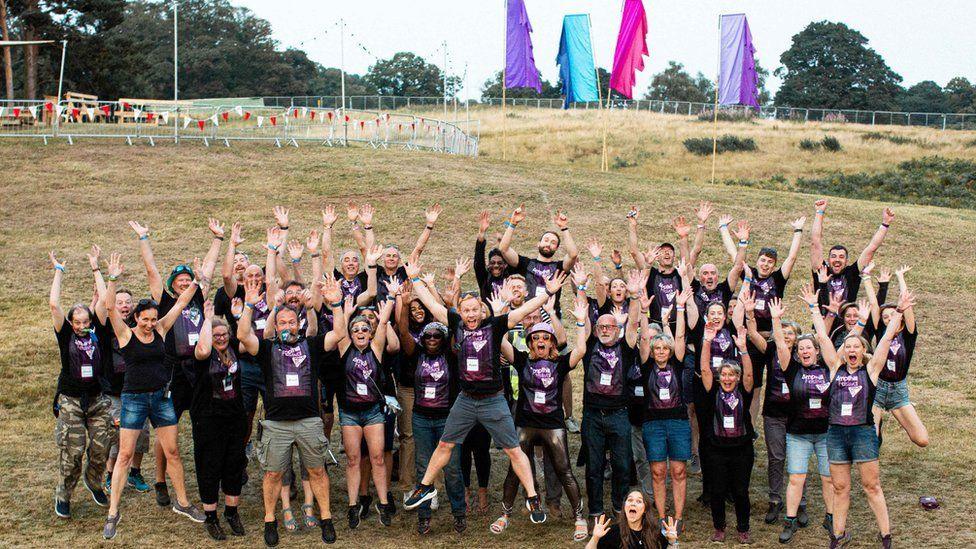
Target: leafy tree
830	65
493	88
960	95
926	96
675	84
408	74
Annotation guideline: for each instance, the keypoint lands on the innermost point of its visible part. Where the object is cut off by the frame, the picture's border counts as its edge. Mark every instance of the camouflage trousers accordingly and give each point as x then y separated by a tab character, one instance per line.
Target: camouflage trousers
79	431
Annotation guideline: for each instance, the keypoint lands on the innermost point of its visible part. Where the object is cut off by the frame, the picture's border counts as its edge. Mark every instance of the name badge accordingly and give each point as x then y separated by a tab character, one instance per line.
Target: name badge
228	384
192	338
260	324
430	392
638	391
846	409
760	304
728	422
361	389
540	397
473	364
890	365
716	361
291	380
786	388
86	371
605	379
540	290
664	394
814	403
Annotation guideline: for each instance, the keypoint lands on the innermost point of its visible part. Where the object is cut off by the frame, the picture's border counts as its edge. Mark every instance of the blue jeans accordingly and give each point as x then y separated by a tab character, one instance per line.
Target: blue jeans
252	382
426	434
606	430
137	407
892	395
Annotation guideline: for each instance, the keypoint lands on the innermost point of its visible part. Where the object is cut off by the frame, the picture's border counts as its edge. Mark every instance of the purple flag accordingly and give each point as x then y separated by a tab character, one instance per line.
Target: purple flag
738	83
628	58
520	71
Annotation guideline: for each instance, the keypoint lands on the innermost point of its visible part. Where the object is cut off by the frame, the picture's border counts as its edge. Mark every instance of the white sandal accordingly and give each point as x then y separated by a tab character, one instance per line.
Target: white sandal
500	524
580	534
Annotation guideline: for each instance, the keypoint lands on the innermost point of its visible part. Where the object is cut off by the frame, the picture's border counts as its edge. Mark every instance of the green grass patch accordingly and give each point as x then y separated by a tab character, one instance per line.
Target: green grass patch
702	146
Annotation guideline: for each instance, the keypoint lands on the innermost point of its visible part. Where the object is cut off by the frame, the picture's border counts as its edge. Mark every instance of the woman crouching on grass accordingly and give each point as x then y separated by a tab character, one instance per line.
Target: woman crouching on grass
851	436
635	527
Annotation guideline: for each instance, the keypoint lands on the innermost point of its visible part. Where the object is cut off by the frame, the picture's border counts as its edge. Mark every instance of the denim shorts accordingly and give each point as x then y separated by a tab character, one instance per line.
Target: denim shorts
666	439
799	449
137	407
852	443
891	395
370	416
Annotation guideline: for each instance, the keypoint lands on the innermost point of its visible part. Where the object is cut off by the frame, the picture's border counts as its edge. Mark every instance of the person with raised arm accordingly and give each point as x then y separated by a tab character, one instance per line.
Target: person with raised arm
892	395
291	364
538	269
392	268
730	432
844	277
352	281
490	273
635	527
147	393
84	413
851	435
664	282
477	343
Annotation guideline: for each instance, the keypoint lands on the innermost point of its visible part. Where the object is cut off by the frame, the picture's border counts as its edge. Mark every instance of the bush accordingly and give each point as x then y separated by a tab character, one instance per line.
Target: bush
831	144
809	145
622	163
896	139
728	115
702	146
835	117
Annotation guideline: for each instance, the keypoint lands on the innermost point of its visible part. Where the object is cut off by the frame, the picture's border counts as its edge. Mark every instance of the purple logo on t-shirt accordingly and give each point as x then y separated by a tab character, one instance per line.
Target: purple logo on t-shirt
838	286
476	354
810	388
729	414
540	386
605	375
763	291
432	382
186	330
222	375
664	392
779	390
291	370
85	357
665	291
849	398
896	361
362	373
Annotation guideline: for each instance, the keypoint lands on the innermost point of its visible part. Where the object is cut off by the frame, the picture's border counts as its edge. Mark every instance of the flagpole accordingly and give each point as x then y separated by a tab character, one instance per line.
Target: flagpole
605	164
718	82
342	80
176	73
504	69
599	94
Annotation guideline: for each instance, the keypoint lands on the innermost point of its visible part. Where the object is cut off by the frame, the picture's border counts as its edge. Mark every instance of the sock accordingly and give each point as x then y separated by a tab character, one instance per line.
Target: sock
230	510
325	522
790	518
211	516
135	471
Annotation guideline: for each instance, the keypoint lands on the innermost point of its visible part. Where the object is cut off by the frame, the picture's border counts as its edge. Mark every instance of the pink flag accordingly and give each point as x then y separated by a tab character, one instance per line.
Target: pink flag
631	48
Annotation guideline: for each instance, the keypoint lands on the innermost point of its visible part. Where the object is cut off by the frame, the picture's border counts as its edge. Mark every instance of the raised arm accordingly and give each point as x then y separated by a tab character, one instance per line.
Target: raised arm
787	267
295	252
681	303
908	312
599	287
505	246
57	314
204	346
152	272
702	212
402	317
328	220
98	306
827	351
633	243
682	228
366	212
274	244
557	327
480	245
752	327
747	374
121	329
167	321
245	332
887	216
816	234
379	338
430	215
880	356
723	231
205	276
635	281
705	358
227	268
372	270
552	287
312	244
579	351
776	310
333	300
566	238
437	310
872	297
281	222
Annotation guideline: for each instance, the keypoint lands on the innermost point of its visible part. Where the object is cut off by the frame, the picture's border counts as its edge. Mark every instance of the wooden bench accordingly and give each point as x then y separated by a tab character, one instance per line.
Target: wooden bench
125	112
23	118
82	102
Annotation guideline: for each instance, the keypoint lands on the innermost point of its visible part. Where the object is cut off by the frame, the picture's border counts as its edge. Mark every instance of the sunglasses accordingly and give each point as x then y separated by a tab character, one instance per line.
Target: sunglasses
433	335
366	308
466	295
147	303
181	269
361	329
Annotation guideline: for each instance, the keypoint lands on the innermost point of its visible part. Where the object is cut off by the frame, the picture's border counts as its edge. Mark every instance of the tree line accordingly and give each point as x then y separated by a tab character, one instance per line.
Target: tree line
120	48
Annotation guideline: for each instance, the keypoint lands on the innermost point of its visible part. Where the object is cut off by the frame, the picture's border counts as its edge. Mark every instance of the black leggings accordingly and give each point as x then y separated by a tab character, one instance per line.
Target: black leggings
555	446
730	470
218	452
477	445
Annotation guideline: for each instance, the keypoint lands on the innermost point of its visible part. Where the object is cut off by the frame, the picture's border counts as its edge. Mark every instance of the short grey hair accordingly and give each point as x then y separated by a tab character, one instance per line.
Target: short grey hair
736	368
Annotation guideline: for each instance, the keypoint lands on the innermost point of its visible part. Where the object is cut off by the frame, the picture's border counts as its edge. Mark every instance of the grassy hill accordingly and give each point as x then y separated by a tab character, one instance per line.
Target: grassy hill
67	197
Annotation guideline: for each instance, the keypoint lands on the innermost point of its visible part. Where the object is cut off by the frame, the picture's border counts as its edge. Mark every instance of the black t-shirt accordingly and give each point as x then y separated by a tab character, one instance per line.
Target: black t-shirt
662	391
487	283
145	365
612	539
259	315
352	287
540	399
183	336
900	353
217	392
435	382
809	399
363	380
113	375
730	423
763	291
776	401
400	275
703	297
664	288
478	353
83	359
536	273
290	376
723	348
847	284
605	374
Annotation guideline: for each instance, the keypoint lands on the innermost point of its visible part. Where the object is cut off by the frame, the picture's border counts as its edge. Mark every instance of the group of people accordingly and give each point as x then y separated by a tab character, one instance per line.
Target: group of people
678	362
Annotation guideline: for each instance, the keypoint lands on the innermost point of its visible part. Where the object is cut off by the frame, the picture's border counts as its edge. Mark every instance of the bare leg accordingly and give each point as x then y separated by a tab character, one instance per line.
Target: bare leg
160	460
374	442
679	485
439	459
840	475
659	475
319	480
794	492
166	436
827	485
272	490
127	446
871	481
907	416
352	439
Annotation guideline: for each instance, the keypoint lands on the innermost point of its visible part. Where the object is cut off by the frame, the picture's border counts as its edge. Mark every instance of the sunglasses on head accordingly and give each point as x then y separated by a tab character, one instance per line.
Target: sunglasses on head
366	308
146	302
466	295
181	269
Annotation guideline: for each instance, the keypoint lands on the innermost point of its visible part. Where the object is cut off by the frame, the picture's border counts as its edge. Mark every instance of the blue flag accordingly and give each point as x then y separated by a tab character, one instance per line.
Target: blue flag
575	61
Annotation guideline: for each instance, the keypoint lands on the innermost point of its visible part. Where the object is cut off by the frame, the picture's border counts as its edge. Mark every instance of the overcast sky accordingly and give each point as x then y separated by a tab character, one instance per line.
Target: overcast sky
918	41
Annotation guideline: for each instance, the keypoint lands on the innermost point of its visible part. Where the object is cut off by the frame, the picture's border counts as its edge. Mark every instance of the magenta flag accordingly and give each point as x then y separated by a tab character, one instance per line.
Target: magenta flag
520	71
737	80
628	58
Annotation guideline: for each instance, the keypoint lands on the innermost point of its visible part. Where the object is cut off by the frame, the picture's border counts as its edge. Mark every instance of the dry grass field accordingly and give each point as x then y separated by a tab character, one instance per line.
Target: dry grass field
67	197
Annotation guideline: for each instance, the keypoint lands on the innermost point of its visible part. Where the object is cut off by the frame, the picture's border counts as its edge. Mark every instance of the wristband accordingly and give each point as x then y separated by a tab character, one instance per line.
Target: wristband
59	268
679	308
618	266
508	224
797	230
336	305
429	227
415	279
831	314
285	228
296	260
743	243
812	306
249	305
580	324
113	278
581	288
821	212
723	226
220	238
597	258
371	266
550	294
236	317
861	324
885	225
316	254
747	279
144	237
96	270
275	309
701	226
367	227
564	229
900	310
272	247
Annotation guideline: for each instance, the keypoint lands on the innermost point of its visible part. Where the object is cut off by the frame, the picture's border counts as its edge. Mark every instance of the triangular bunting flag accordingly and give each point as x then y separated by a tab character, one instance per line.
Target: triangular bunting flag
247	115
362	124
33	111
186	122
49	106
91	113
76	113
312	115
106	109
1	111
330	113
59	109
239	110
200	124
150	116
274	120
260	121
125	105
138	113
16	112
214	119
304	112
165	116
225	115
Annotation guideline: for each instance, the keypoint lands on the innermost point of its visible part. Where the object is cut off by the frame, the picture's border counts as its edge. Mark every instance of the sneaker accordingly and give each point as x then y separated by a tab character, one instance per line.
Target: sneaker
136	481
97	494
392	502
354	516
718	536
365	505
745	538
461	524
236	526
386	512
271	533
536	513
111	526
423	526
572	425
828	524
885	541
836	543
190	511
214	529
328	531
789	530
772	515
802	518
62	508
421	494
694	468
162	495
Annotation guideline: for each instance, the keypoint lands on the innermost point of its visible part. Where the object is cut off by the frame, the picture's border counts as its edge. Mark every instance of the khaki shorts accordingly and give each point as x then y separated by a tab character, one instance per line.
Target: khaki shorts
308	435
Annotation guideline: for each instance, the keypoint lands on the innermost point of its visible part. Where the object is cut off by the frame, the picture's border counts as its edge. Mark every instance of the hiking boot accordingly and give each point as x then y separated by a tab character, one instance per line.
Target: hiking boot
162	495
772	515
421	494
271	533
789	530
190	511
328	531
111	526
461	524
354	516
136	481
745	538
213	528
718	536
536	513
62	508
236	526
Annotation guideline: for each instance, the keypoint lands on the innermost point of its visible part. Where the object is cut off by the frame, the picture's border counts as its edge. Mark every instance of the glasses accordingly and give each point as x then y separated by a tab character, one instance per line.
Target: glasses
293	292
147	303
182	269
221	336
606	326
361	329
432	335
466	295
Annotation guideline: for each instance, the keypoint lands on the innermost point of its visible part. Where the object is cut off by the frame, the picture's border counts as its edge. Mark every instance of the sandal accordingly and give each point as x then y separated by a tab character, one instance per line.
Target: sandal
580	533
288	519
499	525
482	501
311	521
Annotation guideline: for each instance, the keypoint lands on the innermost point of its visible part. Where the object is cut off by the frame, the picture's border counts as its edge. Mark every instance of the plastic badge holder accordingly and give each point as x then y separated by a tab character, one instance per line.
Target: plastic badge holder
929	503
